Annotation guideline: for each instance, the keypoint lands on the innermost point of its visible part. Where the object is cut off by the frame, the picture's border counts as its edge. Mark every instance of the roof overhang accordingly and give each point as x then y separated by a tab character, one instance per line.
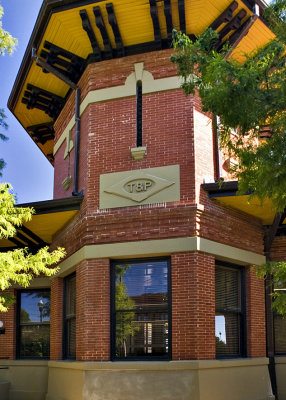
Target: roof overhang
49	218
69	34
226	193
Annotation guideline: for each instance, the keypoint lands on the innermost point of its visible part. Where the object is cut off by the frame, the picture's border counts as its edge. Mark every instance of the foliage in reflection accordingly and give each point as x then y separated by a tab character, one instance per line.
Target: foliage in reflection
124	323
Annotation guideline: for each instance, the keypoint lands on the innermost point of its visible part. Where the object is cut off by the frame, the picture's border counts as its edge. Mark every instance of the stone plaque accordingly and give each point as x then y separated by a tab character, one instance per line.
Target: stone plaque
144	186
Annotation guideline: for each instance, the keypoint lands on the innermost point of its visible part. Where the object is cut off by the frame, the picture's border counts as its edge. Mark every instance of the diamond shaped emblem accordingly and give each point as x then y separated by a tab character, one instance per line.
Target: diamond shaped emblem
139	186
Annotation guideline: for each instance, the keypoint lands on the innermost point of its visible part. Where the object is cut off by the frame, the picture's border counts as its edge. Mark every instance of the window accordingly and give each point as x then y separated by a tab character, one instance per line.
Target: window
229	316
139	100
279	334
279	322
140	309
33	324
69	317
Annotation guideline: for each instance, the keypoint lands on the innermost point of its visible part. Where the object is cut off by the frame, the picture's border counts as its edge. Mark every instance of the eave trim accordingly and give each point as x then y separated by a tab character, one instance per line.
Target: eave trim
54	206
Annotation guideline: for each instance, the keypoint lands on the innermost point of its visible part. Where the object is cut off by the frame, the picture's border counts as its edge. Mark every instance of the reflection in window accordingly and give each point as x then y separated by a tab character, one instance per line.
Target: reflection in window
280	323
34	324
141	315
69	317
280	334
228	318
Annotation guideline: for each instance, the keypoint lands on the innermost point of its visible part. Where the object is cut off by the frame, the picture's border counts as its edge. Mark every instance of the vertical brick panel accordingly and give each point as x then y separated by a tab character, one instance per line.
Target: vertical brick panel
56	327
8	340
255	314
93	310
193	306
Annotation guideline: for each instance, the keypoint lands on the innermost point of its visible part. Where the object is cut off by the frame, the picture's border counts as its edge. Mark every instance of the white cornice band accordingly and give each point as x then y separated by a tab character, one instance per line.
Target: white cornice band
160	247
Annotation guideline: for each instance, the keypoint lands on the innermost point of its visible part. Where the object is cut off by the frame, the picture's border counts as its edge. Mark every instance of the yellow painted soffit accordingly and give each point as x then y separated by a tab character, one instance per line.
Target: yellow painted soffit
64	29
253	207
45	226
259	34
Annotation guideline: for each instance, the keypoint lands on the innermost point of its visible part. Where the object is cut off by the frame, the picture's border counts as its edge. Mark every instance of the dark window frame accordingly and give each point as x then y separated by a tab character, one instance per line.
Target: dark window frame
18	323
242	328
65	318
113	262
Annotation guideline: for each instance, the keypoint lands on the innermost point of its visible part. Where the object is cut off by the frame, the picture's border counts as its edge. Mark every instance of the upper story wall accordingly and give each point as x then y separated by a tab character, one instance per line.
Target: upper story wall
180	148
108	124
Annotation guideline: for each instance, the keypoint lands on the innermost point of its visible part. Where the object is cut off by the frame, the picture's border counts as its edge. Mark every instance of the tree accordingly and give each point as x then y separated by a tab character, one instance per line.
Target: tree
125	326
248	96
7	42
18	266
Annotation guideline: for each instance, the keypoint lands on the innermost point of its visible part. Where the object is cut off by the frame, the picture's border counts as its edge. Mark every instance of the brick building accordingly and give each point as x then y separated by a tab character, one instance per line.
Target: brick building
156	298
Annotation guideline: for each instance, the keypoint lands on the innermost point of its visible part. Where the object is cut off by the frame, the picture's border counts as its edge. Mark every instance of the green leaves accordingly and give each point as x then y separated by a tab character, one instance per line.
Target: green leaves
7	42
19	266
11	217
277	270
246	97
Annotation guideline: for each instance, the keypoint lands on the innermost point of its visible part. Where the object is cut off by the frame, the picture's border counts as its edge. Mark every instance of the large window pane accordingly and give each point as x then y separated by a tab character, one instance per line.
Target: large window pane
280	334
140	334
141	309
228	319
35	341
34	324
280	323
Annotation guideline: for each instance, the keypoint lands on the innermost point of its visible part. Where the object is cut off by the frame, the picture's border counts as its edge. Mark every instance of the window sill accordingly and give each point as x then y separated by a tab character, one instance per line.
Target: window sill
138	153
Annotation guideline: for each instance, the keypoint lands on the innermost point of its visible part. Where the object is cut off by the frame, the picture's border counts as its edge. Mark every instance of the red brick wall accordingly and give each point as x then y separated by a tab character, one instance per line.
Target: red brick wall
93	310
8	339
193	306
255	314
229	226
56	322
108	131
278	249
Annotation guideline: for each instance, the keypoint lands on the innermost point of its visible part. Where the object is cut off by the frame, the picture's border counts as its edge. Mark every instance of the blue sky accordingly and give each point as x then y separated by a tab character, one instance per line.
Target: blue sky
27	169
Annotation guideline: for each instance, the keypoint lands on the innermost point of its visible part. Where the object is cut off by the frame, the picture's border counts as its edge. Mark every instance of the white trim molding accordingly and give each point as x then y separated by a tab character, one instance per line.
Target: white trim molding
160	247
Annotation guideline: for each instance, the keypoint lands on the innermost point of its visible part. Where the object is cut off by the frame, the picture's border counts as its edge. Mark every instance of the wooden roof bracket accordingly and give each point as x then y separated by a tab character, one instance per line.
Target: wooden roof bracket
156	25
236	37
182	16
63	61
168	17
96	53
225	16
101	26
117	36
233	25
72	85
